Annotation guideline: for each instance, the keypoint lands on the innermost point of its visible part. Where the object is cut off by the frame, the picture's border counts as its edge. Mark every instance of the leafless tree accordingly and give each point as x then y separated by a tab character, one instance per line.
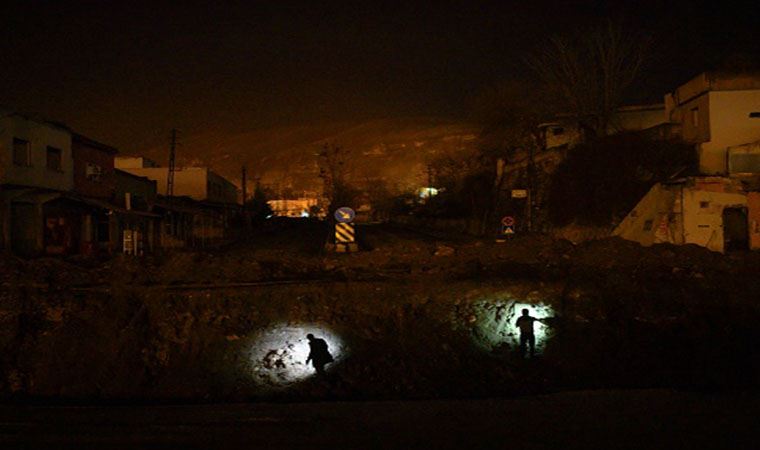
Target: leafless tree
334	170
380	196
590	72
511	116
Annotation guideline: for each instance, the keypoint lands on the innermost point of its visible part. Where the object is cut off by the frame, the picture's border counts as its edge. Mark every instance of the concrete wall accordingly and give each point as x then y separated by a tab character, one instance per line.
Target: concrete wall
40	135
133	162
190	181
655	219
141	190
101	186
753	206
689	213
703	216
684	114
641	117
730	125
220	189
193	182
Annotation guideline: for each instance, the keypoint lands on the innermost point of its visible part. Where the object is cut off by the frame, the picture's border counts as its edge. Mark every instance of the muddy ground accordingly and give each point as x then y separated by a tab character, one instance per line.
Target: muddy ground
412	315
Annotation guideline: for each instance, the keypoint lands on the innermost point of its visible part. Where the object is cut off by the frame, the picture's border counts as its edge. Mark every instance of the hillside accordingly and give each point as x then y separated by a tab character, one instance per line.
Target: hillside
396	150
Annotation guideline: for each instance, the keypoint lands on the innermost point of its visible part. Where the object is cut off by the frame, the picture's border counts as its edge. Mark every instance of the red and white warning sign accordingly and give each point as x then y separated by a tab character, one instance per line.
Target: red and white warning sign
508	221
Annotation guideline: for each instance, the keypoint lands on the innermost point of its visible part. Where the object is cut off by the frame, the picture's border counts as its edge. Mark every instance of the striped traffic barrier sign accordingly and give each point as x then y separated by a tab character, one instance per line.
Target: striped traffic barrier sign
344	233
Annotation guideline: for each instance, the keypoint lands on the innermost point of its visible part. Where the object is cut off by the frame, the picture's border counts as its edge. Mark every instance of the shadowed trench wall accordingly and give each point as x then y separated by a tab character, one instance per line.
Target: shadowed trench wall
389	340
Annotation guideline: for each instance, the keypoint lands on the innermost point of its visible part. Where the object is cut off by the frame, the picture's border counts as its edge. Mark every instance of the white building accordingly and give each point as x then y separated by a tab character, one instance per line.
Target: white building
716	111
198	183
720	114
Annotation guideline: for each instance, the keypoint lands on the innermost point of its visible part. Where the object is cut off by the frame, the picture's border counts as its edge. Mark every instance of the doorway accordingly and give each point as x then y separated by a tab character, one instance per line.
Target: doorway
24	229
735	229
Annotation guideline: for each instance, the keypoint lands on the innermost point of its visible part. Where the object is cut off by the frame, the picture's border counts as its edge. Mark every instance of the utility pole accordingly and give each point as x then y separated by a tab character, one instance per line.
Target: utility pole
243	186
172	166
244	210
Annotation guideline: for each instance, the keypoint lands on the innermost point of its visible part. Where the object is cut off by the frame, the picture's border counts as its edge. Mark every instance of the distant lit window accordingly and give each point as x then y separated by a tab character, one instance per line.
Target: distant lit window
54	157
427	192
22	152
695	117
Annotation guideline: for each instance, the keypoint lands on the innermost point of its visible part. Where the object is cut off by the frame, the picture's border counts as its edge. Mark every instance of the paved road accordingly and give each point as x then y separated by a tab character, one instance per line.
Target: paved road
582	420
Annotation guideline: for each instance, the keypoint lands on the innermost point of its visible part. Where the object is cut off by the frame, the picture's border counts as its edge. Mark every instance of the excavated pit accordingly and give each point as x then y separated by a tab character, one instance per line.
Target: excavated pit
389	339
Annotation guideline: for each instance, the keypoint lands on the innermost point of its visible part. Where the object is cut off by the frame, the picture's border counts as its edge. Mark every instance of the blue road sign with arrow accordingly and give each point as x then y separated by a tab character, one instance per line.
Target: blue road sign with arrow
344	215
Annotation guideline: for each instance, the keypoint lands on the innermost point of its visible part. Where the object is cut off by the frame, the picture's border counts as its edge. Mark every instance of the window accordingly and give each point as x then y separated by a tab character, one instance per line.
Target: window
54	158
754	115
648	225
93	172
695	117
704	204
22	152
744	162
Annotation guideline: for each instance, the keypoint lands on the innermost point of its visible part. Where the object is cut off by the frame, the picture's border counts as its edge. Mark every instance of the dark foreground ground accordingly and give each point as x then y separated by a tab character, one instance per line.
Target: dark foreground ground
586	419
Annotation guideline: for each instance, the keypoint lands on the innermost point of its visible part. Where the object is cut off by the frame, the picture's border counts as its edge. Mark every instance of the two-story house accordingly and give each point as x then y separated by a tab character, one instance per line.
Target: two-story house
716	112
719	209
36	167
95	182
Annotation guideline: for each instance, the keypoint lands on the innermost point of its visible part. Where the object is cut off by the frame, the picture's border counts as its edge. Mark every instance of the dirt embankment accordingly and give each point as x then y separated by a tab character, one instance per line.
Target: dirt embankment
294	250
409	316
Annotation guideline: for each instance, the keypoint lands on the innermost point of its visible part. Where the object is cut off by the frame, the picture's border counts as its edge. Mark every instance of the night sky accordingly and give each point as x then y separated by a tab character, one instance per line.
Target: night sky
126	74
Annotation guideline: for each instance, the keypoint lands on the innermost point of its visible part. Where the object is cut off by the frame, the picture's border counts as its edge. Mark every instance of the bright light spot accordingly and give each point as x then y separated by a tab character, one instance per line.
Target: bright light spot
496	326
304	213
277	356
427	192
269	216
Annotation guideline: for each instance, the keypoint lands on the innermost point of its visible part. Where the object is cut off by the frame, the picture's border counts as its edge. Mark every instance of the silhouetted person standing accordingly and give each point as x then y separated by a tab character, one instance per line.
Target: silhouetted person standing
318	354
527	338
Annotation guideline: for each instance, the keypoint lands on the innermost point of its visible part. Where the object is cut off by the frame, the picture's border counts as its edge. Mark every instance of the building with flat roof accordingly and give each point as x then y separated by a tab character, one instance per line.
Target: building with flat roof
716	111
198	183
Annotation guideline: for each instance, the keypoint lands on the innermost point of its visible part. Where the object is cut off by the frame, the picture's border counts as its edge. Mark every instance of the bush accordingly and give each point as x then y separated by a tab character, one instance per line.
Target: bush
601	181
